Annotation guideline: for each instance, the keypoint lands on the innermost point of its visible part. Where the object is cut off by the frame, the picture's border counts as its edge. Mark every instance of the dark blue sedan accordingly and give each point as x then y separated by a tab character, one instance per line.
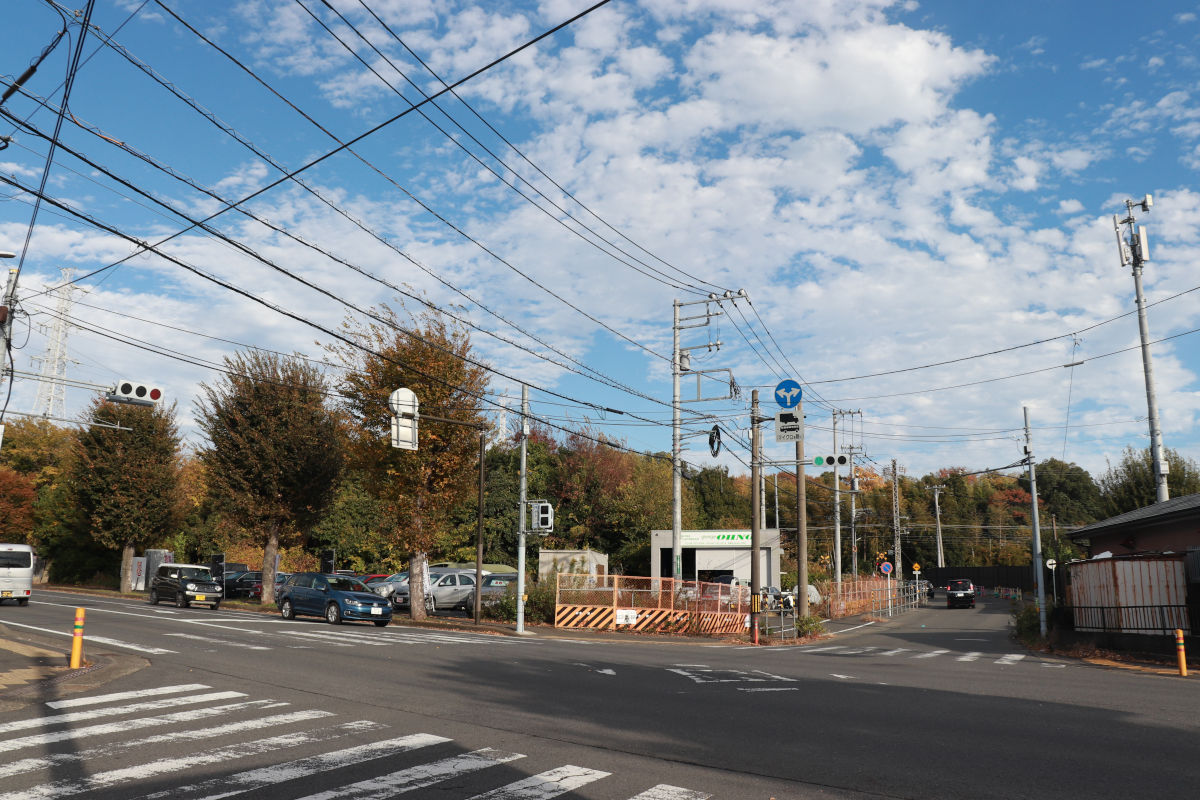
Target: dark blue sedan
334	597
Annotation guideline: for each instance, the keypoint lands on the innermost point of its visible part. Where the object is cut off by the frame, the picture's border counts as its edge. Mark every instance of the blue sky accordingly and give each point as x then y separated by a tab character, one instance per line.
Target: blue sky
893	184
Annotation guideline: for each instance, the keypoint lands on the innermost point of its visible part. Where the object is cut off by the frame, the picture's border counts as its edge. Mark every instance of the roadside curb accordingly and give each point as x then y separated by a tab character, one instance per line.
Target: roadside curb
36	668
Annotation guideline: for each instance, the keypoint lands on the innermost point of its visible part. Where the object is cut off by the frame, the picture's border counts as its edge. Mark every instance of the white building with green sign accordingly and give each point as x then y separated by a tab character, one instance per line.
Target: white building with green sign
710	554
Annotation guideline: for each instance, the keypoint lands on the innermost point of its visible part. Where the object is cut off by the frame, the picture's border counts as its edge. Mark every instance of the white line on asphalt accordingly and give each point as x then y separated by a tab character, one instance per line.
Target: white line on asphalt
1054	666
821	649
667	792
211	640
192	735
220	755
1011	658
417	777
969	657
895	652
847	630
545	785
112	711
154	651
931	654
857	651
970	640
110	698
769	689
843	677
226	786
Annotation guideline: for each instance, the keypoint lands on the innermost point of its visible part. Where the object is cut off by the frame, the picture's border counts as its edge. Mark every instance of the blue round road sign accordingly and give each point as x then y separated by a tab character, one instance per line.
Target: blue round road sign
886	568
787	393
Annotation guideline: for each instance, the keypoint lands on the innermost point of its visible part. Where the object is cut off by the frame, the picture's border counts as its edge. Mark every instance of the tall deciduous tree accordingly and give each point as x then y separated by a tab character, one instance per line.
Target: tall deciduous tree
275	449
1130	484
126	481
418	488
16	507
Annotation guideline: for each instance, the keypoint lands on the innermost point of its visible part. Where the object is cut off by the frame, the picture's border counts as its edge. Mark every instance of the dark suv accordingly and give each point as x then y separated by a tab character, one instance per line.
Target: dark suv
185	584
960	592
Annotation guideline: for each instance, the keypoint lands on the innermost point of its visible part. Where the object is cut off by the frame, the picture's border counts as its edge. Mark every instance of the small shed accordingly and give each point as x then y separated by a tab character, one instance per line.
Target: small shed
576	562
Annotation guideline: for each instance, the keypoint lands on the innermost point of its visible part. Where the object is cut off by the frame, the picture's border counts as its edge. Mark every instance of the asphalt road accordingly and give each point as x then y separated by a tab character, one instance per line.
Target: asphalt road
936	704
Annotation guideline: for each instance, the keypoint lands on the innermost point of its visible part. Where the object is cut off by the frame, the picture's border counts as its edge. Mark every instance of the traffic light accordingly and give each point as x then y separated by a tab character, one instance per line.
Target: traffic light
543	516
403	404
831	461
139	394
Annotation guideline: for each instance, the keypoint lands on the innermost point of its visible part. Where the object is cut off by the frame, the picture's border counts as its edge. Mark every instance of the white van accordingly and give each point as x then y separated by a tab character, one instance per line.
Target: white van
16	572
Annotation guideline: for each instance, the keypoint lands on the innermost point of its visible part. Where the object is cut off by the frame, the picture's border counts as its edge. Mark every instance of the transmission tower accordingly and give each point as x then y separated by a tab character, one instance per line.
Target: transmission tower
51	395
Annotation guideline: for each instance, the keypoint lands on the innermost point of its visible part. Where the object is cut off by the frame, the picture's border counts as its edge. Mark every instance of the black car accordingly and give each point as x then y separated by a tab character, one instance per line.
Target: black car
245	584
960	592
185	584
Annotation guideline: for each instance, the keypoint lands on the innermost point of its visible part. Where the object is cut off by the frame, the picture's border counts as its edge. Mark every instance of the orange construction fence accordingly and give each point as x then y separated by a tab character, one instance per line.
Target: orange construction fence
660	605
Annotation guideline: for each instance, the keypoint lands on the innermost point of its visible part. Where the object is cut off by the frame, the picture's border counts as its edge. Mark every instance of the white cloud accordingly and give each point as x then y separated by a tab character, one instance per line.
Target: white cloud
1070	206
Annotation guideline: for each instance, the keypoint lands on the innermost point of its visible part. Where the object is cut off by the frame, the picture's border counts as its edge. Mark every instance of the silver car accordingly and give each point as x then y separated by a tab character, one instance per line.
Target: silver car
451	588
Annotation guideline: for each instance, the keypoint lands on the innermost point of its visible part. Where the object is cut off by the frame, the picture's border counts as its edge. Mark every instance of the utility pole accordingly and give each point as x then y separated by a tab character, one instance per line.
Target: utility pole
521	514
837	509
1134	252
897	569
1037	533
776	482
937	508
680	363
801	524
756	513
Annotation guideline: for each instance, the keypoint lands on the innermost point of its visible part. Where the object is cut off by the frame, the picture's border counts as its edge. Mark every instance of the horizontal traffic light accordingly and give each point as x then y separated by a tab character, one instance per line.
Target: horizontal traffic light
831	461
141	394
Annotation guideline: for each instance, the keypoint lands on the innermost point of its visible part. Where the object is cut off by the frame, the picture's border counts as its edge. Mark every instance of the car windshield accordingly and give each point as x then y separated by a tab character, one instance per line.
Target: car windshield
960	586
345	584
195	573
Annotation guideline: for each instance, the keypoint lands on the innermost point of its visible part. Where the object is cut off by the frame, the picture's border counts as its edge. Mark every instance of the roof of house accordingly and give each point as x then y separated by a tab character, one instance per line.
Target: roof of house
1175	506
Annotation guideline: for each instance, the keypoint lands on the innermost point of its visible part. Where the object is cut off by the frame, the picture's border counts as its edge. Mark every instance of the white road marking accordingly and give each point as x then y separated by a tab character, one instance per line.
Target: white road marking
546	784
847	630
768	689
110	698
104	780
843	677
416	777
1054	666
931	654
667	792
192	735
857	651
226	786
154	651
211	640
112	711
970	640
969	657
124	726
1011	658
821	649
895	652
737	675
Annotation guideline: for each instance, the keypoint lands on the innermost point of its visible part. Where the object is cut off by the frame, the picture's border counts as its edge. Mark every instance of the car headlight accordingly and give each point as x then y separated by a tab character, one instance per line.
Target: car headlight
191	587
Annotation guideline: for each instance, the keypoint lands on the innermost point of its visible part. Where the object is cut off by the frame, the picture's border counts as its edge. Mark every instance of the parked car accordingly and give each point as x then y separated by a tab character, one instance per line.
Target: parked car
245	584
386	586
960	592
185	584
334	597
448	589
493	587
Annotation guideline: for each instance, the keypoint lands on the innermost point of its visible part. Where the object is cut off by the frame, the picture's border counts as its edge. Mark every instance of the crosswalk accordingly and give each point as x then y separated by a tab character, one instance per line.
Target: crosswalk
202	743
899	652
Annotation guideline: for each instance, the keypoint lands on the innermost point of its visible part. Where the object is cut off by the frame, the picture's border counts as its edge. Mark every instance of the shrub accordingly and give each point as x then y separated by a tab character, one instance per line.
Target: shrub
539	605
1027	625
809	626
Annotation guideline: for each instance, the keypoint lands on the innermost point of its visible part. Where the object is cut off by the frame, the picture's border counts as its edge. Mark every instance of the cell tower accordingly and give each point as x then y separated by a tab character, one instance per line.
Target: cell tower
51	395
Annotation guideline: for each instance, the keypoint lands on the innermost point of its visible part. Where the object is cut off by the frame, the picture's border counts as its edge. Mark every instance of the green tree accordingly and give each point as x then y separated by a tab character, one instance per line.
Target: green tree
125	480
1067	493
275	449
1130	484
418	489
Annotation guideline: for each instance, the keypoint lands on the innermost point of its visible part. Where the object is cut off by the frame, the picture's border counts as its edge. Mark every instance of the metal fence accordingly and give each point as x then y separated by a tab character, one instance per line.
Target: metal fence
649	604
1132	619
902	597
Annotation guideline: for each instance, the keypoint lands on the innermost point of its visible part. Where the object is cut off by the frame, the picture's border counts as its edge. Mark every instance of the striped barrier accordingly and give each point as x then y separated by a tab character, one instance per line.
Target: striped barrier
648	620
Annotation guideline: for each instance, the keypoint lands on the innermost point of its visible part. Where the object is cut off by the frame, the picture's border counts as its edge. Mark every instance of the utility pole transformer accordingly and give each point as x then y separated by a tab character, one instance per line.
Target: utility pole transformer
1134	252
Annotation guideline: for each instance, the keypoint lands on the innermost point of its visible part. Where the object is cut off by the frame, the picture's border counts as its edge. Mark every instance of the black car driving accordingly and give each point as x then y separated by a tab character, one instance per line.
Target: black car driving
960	592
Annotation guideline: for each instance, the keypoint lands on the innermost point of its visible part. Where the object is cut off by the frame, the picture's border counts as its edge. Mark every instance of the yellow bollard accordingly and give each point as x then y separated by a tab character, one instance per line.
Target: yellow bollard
77	642
1181	652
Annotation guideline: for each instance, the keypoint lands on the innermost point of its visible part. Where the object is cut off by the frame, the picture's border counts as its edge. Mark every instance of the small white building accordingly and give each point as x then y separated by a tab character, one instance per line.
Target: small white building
577	562
710	554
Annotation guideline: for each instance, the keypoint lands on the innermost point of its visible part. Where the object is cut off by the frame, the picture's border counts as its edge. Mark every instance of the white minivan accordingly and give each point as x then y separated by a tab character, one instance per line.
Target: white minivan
16	572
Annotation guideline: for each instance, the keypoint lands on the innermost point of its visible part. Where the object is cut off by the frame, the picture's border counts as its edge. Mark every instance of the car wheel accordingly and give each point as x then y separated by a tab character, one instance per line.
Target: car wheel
154	598
333	614
22	601
285	609
216	605
381	623
181	600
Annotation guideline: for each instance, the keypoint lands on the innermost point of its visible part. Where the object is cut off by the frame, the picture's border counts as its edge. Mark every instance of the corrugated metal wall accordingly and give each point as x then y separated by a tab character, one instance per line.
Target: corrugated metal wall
1130	586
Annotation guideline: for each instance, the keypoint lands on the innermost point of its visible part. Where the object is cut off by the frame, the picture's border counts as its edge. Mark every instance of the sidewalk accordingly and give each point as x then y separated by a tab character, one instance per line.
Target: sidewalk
33	666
